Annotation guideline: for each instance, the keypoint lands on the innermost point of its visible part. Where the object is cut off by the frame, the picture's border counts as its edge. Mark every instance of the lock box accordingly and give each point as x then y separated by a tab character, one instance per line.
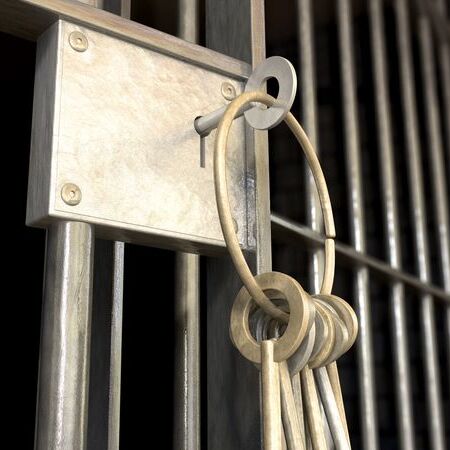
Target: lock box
113	142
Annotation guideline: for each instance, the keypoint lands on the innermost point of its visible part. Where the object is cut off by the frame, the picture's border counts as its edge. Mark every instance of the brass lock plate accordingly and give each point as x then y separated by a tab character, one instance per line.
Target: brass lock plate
113	143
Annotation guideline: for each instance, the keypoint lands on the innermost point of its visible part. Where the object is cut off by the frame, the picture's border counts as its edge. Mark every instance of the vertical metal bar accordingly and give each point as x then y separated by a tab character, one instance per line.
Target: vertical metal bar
187	306
309	117
187	353
391	225
232	381
115	346
444	66
305	19
260	158
62	406
441	217
361	282
188	20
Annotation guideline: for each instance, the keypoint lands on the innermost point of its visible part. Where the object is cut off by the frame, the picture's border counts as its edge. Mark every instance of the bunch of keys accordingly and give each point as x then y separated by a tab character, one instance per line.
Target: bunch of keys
297	344
301	398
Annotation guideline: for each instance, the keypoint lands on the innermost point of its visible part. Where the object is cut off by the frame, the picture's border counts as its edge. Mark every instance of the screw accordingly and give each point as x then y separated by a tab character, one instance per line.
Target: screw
228	90
78	41
71	194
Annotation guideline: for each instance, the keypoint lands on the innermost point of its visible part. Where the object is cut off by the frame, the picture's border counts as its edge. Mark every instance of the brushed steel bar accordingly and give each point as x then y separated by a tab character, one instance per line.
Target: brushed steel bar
391	225
62	404
289	231
444	67
260	141
116	346
369	422
236	28
187	306
187	353
188	20
305	18
433	128
106	346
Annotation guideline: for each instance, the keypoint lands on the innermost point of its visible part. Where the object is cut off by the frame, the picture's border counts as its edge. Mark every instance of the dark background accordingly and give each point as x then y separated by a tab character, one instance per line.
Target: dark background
149	273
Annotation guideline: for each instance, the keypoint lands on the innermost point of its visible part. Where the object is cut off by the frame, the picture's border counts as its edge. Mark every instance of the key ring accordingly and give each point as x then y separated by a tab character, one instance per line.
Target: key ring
224	210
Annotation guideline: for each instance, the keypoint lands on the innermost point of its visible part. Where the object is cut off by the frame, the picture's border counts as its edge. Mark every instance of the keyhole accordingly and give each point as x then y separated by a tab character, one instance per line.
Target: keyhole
203	151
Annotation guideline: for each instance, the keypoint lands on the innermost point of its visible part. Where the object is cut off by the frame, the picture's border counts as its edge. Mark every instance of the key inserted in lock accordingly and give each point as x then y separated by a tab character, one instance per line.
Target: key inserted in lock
261	119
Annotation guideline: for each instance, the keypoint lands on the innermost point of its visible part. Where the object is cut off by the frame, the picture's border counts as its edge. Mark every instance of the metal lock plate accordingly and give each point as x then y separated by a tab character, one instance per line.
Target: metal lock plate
115	120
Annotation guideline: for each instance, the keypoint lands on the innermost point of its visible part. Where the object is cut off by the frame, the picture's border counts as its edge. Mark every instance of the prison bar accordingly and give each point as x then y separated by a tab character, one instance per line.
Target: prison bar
309	120
419	215
391	226
187	407
440	207
225	429
49	10
355	200
444	66
63	385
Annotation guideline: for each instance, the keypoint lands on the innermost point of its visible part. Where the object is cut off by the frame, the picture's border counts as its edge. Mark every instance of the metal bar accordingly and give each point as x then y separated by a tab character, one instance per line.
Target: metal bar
444	67
30	18
419	211
187	353
391	225
187	306
62	405
442	223
226	429
188	17
305	18
309	118
289	231
106	347
361	282
116	346
440	23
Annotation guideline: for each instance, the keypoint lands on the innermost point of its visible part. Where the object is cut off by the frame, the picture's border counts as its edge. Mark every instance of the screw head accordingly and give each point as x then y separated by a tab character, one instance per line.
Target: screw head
78	41
71	194
228	90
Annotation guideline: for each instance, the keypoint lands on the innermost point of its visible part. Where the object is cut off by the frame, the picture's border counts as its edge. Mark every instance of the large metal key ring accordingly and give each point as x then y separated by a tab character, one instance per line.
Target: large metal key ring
223	204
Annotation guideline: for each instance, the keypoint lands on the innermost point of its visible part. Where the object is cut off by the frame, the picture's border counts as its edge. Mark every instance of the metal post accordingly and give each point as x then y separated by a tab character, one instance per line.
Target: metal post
187	307
361	283
441	204
391	224
232	382
309	118
444	66
187	353
62	405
